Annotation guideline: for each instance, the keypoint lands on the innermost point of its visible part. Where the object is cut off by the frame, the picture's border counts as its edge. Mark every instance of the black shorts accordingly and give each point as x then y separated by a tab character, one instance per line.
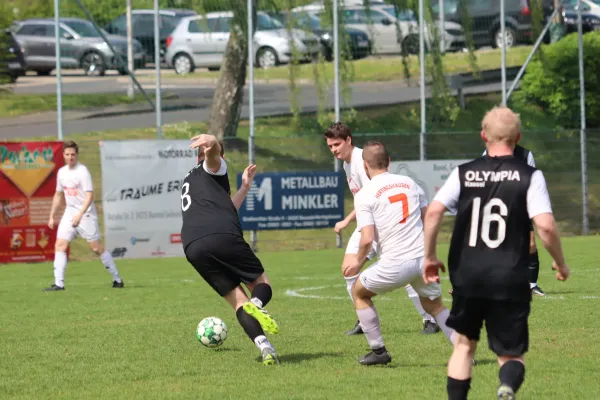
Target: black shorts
224	261
506	323
530	225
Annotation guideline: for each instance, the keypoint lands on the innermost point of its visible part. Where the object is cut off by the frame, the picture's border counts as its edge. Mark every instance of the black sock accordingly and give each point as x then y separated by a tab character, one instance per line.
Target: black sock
263	292
458	389
534	267
512	374
250	325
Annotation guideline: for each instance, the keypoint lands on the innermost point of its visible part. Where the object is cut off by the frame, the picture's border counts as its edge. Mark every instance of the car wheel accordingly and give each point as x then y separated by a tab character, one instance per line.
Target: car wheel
43	72
183	64
267	58
93	64
410	44
214	68
511	38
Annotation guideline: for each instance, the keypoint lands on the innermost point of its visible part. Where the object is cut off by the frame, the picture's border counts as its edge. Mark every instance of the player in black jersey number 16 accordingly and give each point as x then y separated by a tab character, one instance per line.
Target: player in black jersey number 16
493	197
214	244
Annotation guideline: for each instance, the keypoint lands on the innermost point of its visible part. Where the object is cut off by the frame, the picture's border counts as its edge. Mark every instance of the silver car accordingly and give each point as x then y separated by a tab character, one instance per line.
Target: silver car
200	41
81	46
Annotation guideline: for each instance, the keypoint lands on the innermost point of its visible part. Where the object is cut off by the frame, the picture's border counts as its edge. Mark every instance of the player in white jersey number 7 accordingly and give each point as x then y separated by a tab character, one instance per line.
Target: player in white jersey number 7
74	187
339	141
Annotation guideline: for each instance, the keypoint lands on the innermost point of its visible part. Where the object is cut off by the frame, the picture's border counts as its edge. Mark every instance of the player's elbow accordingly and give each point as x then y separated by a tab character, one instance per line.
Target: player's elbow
545	224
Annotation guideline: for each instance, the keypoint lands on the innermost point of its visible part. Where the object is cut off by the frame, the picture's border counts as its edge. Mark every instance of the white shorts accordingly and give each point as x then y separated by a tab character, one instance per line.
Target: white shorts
380	278
354	244
88	228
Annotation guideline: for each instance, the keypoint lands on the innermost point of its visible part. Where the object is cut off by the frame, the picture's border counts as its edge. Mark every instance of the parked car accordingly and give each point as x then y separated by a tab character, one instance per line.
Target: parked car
12	62
81	46
590	16
485	19
200	42
142	23
357	41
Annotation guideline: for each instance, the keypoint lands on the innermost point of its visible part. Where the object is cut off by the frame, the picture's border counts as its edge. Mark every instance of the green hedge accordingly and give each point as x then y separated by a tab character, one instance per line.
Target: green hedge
552	82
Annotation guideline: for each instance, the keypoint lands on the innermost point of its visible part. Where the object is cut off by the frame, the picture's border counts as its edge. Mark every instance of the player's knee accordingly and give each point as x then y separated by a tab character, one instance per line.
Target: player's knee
464	345
97	248
432	307
61	245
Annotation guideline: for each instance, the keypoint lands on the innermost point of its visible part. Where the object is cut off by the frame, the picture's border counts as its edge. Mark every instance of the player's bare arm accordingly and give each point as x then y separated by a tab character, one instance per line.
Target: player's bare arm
89	197
431	229
341	225
247	178
548	232
209	145
57	201
367	235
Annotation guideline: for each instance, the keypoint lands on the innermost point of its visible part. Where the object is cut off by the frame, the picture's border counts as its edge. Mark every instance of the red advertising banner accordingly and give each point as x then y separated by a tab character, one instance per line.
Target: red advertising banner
27	184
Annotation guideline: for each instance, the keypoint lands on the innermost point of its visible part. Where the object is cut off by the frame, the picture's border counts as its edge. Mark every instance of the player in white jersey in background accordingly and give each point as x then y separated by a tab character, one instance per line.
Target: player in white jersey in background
339	141
390	210
74	186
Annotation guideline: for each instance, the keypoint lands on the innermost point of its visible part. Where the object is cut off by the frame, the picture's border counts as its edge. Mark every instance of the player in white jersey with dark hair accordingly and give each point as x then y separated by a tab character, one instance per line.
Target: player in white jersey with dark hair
74	187
390	210
339	141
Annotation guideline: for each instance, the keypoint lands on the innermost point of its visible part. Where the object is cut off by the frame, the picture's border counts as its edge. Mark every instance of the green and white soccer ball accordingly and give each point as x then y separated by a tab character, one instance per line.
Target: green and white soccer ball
211	332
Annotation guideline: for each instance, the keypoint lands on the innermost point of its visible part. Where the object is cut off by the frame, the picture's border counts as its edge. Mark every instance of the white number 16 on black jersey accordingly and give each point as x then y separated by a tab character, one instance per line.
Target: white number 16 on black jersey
488	218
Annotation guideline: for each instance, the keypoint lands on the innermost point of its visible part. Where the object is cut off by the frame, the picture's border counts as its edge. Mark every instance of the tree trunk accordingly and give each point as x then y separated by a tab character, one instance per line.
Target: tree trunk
229	93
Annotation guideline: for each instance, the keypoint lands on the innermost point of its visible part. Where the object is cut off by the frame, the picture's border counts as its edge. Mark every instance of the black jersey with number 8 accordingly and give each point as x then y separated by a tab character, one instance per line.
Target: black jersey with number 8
206	206
489	249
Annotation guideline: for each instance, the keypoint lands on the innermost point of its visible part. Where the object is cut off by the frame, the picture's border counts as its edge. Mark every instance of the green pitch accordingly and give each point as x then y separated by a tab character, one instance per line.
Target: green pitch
92	341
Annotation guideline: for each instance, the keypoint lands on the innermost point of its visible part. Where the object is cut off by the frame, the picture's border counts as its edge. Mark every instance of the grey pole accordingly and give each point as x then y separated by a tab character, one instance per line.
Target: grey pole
59	107
130	88
422	66
157	69
251	156
336	86
503	50
582	137
442	28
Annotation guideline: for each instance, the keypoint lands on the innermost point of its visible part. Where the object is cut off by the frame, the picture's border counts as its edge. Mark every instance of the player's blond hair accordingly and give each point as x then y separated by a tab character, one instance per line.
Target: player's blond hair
501	124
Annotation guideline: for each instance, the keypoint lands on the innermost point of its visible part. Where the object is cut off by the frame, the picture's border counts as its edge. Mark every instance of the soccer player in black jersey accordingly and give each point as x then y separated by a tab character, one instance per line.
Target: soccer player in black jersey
213	242
493	196
534	260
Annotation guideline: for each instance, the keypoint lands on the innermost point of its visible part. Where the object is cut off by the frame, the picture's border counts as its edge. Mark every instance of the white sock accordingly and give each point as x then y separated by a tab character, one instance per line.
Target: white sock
532	285
60	265
349	283
414	297
441	319
109	263
263	343
257	302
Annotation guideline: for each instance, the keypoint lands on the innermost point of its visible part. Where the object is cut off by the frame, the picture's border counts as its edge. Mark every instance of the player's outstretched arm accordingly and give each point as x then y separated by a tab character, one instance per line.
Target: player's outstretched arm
341	225
247	178
209	145
433	222
57	201
548	232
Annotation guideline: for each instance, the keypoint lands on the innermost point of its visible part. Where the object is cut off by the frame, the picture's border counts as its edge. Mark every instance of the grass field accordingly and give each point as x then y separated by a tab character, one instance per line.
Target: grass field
379	69
14	105
92	341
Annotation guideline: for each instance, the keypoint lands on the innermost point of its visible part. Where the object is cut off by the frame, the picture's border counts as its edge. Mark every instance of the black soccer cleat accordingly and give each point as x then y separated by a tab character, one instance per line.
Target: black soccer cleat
53	288
357	330
118	284
429	327
536	290
373	358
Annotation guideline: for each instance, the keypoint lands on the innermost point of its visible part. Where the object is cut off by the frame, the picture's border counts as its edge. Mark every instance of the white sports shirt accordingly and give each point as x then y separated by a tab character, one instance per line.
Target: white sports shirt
355	171
393	204
538	199
75	183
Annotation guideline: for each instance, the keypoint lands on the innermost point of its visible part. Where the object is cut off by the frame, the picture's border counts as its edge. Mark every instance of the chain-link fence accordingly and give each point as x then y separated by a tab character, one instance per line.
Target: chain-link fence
166	68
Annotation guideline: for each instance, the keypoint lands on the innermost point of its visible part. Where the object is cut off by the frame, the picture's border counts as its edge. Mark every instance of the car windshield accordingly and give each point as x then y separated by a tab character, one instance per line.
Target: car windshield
307	20
266	23
83	29
404	15
450	6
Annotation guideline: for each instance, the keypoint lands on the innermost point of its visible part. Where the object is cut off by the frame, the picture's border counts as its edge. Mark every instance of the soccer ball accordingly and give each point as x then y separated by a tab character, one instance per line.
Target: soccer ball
211	332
